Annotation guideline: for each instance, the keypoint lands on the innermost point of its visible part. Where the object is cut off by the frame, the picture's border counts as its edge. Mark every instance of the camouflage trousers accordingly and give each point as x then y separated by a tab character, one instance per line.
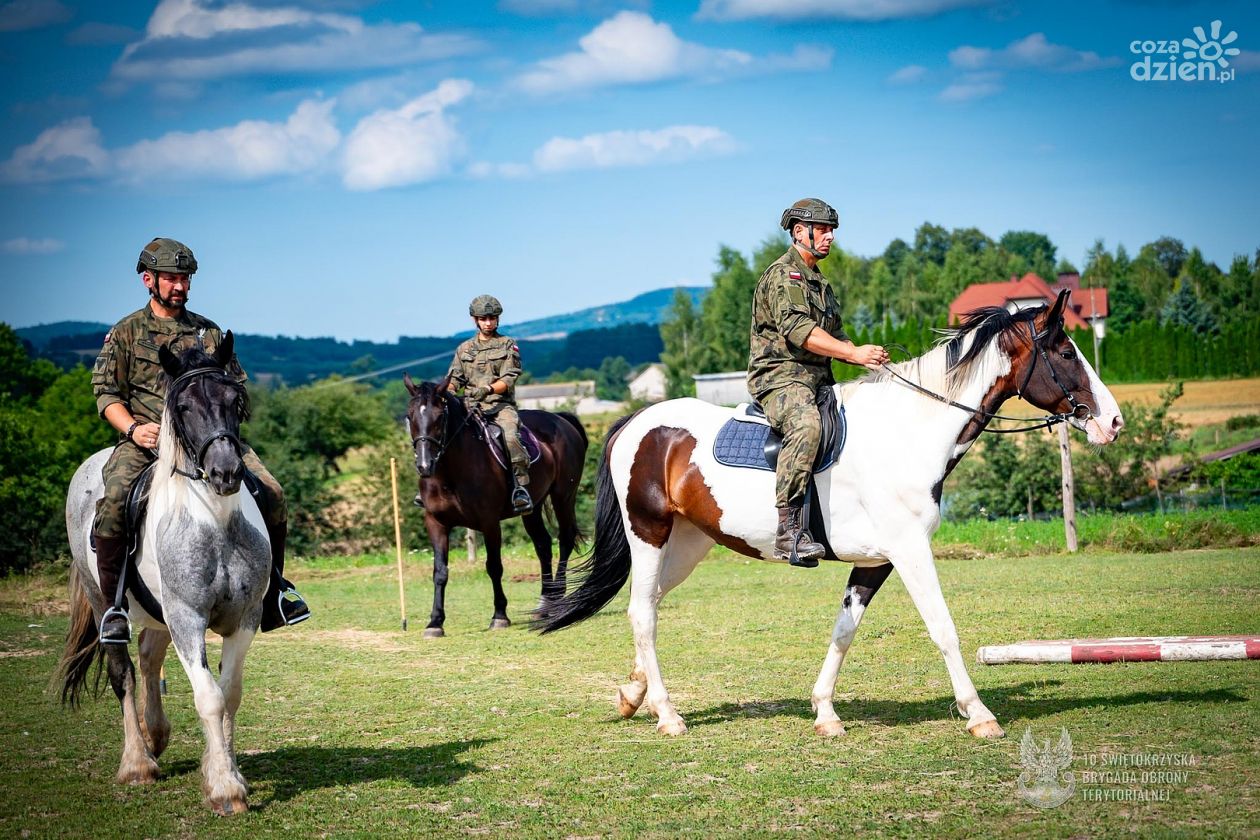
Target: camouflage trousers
793	413
127	462
510	422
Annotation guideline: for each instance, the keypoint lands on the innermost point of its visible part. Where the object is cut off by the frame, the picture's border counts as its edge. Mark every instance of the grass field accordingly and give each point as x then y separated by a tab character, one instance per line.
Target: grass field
351	727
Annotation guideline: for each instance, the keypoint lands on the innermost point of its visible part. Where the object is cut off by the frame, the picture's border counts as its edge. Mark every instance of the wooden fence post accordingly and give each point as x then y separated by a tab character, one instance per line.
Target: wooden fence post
470	540
1069	488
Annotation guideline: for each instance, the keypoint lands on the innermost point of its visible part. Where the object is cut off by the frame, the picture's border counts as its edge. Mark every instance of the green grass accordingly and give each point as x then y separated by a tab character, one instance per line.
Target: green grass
351	727
1143	533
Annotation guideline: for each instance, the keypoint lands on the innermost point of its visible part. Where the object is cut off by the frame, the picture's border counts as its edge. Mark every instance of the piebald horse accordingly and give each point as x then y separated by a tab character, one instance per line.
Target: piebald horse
204	560
664	501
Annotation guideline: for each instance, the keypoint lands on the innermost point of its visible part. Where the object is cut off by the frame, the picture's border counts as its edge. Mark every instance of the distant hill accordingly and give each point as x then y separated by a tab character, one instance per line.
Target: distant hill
647	308
577	339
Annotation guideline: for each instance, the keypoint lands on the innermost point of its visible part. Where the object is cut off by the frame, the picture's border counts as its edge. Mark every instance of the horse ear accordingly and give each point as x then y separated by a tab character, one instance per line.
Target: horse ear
1054	318
445	384
170	363
411	386
223	353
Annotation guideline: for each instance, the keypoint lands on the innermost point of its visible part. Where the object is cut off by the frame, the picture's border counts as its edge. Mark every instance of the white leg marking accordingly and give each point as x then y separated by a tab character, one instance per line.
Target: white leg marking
847	621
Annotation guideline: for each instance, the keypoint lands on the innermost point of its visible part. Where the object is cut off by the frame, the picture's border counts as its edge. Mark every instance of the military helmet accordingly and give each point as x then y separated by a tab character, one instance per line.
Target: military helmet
485	306
169	255
809	211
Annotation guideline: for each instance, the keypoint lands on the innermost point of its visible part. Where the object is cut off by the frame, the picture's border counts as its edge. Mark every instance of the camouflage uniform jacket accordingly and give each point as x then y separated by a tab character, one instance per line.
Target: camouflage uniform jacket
128	370
485	362
791	299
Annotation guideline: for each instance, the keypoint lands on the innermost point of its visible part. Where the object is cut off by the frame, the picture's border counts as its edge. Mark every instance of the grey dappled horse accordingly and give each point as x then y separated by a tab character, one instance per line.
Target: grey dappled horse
204	557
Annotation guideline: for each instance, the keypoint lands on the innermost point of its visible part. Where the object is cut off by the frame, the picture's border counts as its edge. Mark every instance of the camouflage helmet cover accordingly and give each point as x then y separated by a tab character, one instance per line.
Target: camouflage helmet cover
167	255
485	306
809	211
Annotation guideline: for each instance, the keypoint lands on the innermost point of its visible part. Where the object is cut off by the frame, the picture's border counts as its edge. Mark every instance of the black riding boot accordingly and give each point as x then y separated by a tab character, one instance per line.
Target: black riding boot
521	501
111	557
793	543
282	605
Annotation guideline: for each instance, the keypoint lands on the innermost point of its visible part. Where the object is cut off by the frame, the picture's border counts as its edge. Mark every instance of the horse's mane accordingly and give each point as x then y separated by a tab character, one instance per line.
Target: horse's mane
431	392
964	352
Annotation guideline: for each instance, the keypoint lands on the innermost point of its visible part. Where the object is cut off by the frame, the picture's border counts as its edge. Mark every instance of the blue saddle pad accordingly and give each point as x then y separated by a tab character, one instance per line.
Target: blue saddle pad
740	443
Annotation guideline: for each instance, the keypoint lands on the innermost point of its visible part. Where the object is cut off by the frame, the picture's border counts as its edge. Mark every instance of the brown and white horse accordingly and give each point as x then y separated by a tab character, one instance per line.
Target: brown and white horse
664	501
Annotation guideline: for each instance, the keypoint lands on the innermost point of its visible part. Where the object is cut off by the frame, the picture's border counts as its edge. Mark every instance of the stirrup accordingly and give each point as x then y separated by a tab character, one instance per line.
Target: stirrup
111	640
521	502
293	609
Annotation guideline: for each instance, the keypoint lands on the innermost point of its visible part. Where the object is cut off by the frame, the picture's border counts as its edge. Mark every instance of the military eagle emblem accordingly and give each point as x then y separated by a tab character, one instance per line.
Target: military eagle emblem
1046	782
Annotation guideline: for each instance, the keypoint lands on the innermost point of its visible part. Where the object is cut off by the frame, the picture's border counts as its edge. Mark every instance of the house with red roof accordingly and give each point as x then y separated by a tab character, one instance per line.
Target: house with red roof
1087	308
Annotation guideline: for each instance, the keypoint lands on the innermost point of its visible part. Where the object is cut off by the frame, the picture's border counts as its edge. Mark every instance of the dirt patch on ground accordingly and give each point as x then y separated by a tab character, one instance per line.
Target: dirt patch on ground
358	639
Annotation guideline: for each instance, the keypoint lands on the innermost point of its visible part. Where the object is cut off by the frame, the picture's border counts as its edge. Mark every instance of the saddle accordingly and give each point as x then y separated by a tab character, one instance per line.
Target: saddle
492	434
746	440
137	505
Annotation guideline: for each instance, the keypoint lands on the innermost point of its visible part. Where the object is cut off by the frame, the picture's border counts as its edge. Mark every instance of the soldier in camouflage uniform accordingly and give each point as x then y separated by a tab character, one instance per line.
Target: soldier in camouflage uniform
486	367
796	332
130	389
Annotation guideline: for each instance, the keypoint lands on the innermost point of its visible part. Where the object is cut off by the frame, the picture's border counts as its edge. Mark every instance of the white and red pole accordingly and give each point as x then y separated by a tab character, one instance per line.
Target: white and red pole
1124	649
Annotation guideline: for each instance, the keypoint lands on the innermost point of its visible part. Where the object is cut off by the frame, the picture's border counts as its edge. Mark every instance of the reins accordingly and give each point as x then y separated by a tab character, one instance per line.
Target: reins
1079	410
440	444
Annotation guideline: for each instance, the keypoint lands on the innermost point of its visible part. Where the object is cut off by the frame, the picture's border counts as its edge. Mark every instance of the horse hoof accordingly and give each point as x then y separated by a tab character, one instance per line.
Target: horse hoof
625	706
829	728
989	729
673	727
499	624
139	774
433	633
228	807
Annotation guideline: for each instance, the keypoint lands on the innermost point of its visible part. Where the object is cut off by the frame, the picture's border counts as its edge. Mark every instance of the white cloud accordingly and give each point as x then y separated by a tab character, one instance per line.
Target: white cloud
248	150
190	39
837	9
415	143
66	151
628	48
25	246
1032	52
972	86
632	148
19	15
907	75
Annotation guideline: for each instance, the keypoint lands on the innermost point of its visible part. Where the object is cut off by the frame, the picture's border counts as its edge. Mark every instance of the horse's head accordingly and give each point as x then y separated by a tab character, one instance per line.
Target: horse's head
428	414
1049	371
204	409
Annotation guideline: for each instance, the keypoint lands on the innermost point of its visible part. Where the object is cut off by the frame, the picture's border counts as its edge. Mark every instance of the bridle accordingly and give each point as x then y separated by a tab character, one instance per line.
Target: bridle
440	443
198	453
1079	410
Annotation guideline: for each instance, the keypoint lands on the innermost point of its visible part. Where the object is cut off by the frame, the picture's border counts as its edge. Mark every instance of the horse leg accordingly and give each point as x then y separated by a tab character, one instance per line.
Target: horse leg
654	573
152	649
918	572
494	568
222	785
861	588
541	538
440	536
137	765
566	519
231	671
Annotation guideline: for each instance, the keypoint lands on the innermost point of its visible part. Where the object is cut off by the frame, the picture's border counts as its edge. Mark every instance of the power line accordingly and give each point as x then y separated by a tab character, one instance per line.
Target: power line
390	369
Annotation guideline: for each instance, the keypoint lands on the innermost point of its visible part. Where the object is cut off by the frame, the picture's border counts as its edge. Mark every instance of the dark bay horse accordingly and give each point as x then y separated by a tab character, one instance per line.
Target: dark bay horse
664	499
202	564
461	484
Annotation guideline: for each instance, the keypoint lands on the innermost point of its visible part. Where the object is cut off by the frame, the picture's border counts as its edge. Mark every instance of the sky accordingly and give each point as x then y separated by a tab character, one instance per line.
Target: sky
363	169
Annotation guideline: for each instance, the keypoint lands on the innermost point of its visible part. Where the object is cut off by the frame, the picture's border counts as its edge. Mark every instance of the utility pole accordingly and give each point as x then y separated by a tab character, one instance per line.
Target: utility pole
1069	488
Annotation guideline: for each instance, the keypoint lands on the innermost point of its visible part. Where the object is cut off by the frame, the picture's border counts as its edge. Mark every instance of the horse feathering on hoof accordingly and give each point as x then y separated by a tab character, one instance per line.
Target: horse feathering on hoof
203	563
462	485
663	500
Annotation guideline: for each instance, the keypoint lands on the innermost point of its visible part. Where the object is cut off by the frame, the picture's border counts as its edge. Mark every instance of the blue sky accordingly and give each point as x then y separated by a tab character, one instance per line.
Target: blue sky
362	170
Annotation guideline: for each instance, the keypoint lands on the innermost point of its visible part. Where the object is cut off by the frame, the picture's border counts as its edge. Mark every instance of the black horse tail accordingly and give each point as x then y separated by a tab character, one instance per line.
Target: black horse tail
577	424
81	645
603	572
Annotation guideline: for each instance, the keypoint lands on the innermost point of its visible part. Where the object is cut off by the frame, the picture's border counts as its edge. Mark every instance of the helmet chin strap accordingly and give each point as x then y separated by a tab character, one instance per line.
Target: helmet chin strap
154	293
818	255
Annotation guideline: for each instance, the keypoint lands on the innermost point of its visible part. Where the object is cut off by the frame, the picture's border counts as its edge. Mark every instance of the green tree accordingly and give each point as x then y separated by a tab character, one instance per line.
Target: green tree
1169	253
1035	248
610	379
682	356
1184	308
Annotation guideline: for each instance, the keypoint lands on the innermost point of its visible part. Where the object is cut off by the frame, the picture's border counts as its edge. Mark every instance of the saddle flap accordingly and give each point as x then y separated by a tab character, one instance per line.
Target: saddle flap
492	434
747	440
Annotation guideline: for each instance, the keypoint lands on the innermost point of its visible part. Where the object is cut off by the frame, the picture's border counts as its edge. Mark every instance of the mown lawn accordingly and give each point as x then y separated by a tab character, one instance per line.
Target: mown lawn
351	727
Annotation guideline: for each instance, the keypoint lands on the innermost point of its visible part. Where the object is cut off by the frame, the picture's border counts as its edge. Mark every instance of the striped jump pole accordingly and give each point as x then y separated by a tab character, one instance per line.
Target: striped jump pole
1123	649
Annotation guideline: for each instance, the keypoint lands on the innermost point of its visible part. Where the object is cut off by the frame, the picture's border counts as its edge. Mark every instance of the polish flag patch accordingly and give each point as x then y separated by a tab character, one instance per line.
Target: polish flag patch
795	275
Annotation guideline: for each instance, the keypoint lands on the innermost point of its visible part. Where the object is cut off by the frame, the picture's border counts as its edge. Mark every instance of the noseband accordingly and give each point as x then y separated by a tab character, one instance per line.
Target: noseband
1079	410
439	444
198	453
